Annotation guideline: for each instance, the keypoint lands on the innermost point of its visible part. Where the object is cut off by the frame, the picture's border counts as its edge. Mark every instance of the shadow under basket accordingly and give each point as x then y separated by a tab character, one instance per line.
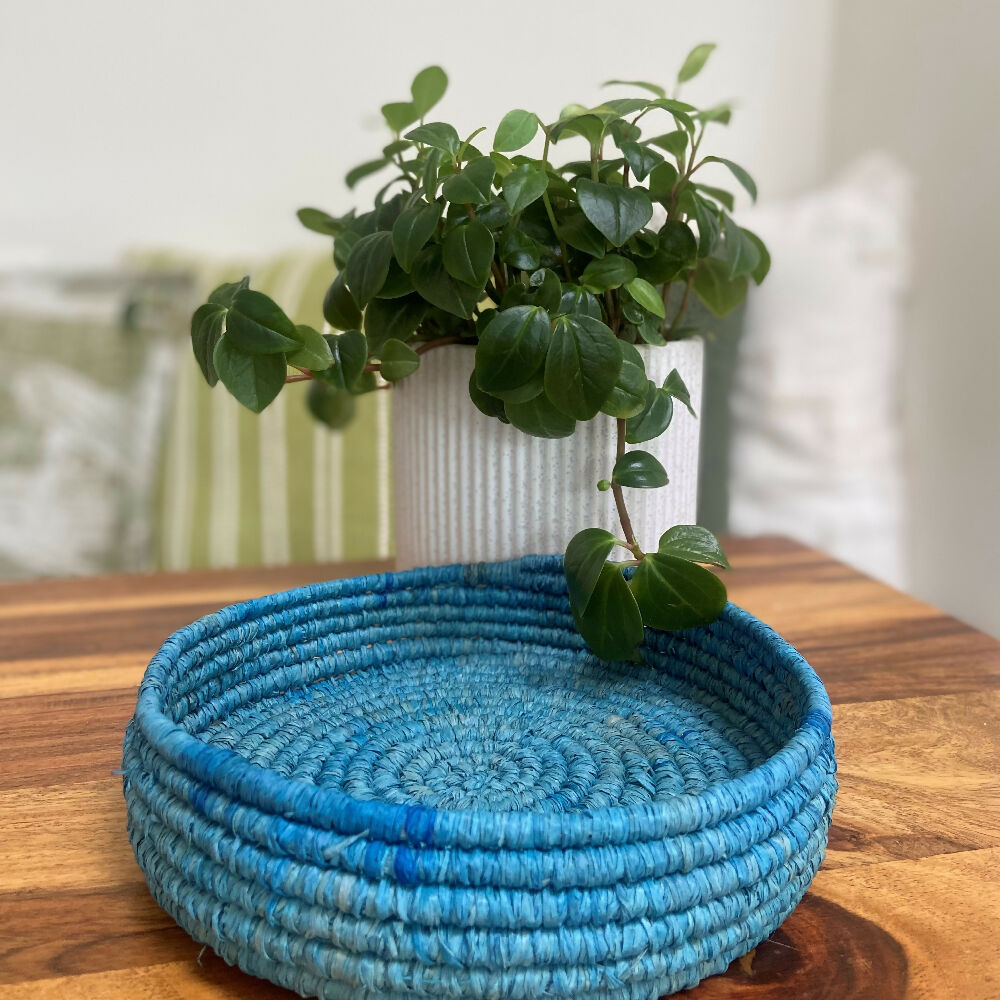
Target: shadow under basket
422	784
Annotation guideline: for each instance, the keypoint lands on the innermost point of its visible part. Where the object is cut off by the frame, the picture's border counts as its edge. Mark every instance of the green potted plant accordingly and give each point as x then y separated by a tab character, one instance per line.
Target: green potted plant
553	290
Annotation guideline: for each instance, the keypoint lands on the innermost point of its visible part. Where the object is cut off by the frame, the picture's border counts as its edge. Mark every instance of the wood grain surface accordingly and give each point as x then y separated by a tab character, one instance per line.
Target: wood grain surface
907	904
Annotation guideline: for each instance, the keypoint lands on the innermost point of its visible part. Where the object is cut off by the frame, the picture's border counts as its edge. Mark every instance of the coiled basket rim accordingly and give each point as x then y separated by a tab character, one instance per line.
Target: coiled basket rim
419	825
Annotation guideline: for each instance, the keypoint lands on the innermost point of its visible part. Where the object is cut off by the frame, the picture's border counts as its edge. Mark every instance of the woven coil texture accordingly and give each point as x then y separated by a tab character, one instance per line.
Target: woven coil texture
422	784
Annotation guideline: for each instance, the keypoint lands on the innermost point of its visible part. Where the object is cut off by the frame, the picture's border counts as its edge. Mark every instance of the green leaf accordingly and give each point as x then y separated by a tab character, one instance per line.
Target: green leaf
432	280
760	272
519	250
224	294
716	289
679	243
673	593
654	418
611	625
577	121
721	113
399	114
397	283
386	213
524	185
628	397
428	87
548	288
581	235
467	151
741	251
707	217
622	106
719	195
256	324
662	180
349	353
467	252
254	379
639	470
653	88
339	308
517	294
516	129
362	170
494	213
368	266
429	177
320	222
412	230
206	329
585	557
608	272
397	360
674	142
650	329
582	365
616	211
673	385
437	135
386	319
512	348
539	418
657	269
641	159
473	185
491	406
531	389
313	353
503	164
647	296
331	406
343	245
577	301
695	62
643	244
693	543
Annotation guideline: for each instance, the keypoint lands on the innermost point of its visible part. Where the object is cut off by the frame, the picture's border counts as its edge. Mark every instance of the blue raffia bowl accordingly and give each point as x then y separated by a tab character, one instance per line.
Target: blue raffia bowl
422	784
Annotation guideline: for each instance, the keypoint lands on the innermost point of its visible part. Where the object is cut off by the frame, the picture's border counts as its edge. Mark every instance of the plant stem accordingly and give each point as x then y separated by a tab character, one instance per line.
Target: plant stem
683	307
685	174
665	295
547	202
501	282
429	345
616	490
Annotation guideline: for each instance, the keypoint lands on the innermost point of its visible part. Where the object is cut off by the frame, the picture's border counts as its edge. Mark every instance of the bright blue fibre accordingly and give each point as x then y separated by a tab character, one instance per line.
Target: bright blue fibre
422	784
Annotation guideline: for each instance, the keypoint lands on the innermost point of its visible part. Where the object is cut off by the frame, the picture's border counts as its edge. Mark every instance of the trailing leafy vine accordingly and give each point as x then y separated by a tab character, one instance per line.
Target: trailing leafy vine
554	273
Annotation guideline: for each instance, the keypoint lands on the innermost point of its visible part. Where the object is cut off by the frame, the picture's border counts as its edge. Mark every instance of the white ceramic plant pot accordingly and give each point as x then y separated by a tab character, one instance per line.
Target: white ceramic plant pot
469	488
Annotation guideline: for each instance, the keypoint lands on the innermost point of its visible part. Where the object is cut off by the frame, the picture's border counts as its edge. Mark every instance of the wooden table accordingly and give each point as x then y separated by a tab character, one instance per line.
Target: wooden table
906	905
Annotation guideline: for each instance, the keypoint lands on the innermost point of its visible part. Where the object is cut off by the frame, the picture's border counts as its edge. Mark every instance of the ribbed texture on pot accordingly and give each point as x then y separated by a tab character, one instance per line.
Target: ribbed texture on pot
469	488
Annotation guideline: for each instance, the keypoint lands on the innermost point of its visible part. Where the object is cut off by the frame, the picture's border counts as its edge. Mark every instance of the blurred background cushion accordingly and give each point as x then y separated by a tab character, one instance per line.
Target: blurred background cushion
817	444
239	489
87	363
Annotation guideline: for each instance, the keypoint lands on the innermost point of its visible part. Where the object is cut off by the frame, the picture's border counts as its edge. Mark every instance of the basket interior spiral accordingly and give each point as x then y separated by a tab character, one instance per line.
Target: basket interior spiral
423	784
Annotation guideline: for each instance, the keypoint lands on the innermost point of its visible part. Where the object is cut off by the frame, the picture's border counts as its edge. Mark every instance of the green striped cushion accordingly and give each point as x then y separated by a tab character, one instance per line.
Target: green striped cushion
238	489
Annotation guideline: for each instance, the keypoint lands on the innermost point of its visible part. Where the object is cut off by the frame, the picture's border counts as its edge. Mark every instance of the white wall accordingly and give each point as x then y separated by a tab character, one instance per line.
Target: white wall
204	124
922	80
